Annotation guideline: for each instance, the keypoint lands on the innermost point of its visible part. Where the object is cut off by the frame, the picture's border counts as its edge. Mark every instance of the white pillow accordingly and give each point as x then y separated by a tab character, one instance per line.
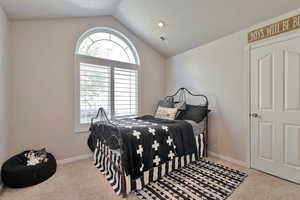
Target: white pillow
166	113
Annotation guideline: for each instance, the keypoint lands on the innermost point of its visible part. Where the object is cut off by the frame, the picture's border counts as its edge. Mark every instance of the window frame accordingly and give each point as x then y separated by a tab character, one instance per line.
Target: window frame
79	58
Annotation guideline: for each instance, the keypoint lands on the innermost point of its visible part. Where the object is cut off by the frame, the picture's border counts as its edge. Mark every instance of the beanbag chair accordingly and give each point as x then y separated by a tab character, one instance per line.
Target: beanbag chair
16	174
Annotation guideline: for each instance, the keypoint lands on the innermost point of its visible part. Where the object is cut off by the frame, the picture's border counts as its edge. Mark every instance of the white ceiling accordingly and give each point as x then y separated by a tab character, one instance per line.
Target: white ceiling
32	9
189	23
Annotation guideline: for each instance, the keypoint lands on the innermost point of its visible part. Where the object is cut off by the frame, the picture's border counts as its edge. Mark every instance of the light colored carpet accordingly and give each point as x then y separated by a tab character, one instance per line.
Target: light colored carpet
82	181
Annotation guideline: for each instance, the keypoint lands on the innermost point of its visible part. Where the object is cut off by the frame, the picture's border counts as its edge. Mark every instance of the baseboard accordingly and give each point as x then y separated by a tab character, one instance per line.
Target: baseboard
229	159
74	159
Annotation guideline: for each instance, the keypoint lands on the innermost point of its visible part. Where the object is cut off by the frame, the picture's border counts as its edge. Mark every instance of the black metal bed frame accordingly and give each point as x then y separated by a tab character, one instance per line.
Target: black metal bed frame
181	92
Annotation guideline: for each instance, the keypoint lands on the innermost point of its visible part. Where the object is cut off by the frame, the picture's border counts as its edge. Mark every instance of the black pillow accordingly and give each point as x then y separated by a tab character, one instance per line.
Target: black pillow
166	103
195	113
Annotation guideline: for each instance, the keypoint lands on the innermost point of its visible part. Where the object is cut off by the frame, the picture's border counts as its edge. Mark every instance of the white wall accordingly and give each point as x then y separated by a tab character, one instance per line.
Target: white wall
42	82
218	70
4	28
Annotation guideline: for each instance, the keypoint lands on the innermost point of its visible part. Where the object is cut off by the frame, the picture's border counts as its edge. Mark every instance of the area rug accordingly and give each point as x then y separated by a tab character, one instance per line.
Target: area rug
199	180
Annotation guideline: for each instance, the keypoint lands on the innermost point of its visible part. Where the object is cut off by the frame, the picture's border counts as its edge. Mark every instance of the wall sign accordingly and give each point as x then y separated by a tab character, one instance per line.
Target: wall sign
277	28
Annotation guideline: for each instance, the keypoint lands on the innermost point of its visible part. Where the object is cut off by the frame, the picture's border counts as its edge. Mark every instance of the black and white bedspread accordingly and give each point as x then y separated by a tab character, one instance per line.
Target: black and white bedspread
149	142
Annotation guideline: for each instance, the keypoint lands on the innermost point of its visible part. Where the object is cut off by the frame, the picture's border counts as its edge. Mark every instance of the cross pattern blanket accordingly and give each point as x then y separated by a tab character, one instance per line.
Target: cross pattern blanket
148	142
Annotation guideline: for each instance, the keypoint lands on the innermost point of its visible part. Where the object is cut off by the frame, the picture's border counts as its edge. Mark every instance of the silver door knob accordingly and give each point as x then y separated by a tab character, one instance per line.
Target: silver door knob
255	115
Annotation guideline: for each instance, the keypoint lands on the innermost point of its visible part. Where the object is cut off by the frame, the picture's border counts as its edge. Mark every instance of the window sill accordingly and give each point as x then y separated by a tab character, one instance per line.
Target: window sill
84	128
81	131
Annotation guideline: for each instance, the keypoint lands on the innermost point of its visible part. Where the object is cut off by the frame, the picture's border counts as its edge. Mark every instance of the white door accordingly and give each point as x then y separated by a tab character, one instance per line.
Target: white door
275	109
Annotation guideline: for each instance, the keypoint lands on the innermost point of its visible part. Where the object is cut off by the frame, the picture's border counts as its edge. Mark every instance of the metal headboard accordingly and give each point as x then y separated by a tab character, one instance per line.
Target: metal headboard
181	93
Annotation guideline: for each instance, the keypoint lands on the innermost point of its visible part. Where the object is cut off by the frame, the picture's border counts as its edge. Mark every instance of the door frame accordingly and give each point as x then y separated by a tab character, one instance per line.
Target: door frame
247	83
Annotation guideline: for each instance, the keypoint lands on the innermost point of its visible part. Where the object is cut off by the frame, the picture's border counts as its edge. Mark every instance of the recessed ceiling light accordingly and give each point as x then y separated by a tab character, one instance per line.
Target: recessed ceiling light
161	24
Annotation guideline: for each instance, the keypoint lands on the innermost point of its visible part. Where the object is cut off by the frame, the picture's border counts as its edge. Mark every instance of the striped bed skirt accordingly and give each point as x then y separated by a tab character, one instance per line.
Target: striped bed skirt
109	163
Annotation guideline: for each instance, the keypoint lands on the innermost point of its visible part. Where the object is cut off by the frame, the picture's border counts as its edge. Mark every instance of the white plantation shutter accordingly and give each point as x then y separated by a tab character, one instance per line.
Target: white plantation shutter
106	75
95	90
125	92
113	88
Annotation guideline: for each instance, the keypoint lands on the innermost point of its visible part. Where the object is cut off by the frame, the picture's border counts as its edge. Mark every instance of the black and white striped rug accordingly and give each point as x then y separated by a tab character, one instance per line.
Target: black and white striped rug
199	180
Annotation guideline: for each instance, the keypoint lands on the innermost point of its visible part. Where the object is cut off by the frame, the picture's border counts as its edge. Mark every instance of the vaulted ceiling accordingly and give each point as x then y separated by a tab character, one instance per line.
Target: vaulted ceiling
188	23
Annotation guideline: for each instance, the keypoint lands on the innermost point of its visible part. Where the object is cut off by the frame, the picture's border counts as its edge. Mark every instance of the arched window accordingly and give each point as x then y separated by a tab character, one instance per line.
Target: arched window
107	69
108	44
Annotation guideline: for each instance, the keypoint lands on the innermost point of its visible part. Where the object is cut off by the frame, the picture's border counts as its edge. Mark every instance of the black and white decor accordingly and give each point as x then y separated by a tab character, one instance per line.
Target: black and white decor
200	180
132	153
109	163
152	142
